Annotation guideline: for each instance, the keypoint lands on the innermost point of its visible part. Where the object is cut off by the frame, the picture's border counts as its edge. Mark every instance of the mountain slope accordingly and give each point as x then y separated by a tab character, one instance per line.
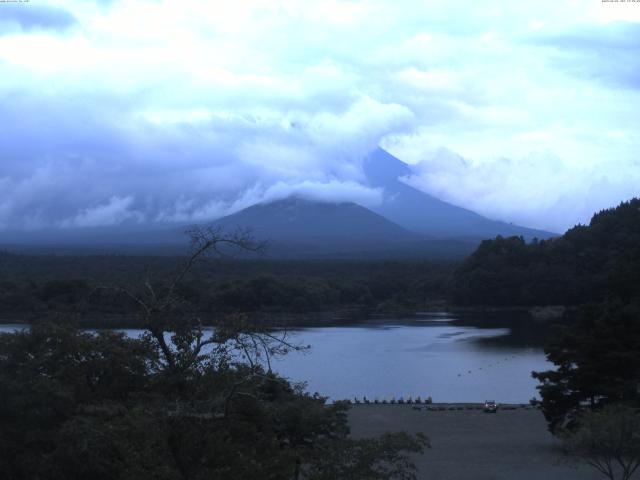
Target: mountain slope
295	219
422	213
297	228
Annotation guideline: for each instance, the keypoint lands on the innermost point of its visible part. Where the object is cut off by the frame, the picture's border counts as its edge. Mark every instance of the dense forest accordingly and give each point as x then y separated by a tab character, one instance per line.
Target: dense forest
587	263
596	349
33	285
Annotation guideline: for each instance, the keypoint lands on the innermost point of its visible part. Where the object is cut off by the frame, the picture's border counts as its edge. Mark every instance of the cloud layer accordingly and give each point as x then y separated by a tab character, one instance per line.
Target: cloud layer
132	111
16	18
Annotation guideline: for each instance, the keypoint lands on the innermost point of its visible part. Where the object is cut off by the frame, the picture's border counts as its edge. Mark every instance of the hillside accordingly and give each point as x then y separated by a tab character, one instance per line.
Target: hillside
298	228
586	264
422	213
298	220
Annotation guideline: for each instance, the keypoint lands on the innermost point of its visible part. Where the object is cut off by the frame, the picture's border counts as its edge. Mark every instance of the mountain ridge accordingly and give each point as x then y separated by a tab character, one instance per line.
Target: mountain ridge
408	223
422	213
296	218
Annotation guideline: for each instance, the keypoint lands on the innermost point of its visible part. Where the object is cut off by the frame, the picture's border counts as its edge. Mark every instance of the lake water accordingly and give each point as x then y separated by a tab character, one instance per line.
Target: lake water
450	358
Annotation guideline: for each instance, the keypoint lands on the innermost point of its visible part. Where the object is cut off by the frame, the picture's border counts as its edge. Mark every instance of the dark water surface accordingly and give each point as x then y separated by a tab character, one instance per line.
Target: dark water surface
452	358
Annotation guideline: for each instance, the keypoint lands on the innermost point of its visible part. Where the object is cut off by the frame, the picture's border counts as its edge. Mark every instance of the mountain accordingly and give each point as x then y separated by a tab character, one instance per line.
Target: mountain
408	223
419	212
295	227
296	219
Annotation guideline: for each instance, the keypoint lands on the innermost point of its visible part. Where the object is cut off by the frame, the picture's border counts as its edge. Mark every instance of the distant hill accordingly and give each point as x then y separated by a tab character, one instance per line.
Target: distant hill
296	227
296	219
422	213
586	264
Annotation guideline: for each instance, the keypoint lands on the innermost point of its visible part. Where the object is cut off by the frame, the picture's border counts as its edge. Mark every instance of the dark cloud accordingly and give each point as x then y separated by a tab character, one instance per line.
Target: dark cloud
30	16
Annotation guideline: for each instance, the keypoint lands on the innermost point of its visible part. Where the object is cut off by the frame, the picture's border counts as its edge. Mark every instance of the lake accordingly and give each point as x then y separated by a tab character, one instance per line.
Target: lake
452	358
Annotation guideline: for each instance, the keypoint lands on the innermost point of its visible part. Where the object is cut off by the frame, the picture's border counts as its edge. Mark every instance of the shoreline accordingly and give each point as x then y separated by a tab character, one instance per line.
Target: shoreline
444	406
336	317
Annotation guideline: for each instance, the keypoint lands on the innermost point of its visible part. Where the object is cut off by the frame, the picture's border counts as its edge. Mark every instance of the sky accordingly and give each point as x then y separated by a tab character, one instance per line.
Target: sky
183	111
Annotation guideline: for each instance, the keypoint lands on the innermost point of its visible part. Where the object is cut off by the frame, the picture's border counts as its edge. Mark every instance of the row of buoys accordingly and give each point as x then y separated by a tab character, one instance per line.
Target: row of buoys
506	359
400	400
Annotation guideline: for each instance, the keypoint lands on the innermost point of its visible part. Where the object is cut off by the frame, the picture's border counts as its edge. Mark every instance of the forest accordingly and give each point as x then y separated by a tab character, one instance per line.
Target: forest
588	263
31	285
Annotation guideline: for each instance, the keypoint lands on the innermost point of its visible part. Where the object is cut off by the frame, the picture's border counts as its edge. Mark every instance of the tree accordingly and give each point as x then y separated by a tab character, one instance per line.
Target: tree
586	264
163	310
598	362
177	403
609	440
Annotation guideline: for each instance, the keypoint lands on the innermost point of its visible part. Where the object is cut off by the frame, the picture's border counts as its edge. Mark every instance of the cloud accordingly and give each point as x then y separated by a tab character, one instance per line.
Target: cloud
541	188
15	17
333	191
526	113
162	174
114	212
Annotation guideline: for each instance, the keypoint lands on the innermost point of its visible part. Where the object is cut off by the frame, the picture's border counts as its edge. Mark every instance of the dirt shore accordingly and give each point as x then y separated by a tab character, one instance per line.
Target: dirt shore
473	445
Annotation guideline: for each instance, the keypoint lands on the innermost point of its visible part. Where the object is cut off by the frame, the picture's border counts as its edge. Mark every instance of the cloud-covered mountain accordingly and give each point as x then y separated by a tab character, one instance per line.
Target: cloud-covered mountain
423	213
403	222
209	110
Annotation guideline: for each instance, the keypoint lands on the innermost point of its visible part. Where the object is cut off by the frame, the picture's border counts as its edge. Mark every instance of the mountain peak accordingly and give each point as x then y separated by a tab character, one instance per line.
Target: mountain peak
381	168
420	212
298	201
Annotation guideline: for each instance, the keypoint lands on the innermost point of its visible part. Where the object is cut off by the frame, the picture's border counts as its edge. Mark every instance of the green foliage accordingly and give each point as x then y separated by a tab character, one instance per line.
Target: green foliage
586	264
46	374
35	286
76	405
597	360
176	403
609	440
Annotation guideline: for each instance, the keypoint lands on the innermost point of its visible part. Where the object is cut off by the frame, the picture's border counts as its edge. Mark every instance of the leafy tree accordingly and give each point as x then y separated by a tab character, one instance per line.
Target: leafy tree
177	403
597	359
609	440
